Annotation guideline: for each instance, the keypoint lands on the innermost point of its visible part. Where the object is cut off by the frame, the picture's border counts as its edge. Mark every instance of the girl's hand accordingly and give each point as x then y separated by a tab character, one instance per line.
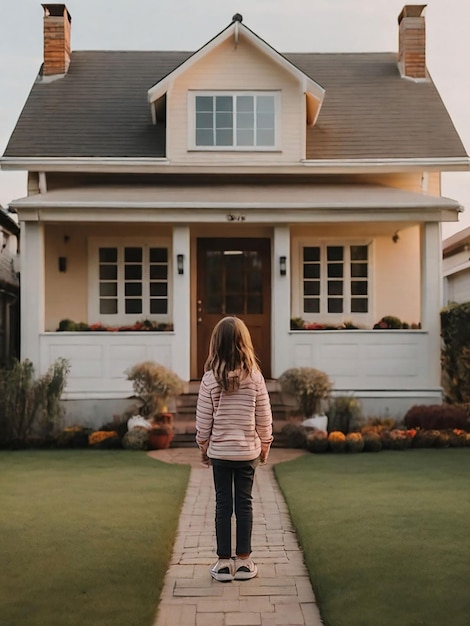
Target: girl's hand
263	457
205	459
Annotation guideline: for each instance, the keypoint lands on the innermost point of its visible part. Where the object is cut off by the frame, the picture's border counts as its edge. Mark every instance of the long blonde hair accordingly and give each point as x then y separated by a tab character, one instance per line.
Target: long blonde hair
231	350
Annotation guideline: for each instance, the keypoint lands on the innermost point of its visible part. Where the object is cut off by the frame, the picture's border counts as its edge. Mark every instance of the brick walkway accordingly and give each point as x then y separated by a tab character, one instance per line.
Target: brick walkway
280	594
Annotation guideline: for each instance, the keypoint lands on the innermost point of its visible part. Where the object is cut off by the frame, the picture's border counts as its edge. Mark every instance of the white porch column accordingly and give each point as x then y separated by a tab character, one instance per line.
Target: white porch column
32	291
281	305
431	295
181	302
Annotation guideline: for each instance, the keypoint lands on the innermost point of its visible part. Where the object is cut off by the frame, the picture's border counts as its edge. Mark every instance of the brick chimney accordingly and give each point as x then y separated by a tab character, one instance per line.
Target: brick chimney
412	42
57	22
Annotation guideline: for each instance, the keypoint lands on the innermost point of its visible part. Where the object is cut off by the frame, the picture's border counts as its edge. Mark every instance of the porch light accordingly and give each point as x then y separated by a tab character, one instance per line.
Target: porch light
180	263
282	265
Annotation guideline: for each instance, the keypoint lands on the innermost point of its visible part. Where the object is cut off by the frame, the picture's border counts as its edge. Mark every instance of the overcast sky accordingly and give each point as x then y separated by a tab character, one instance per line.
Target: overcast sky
288	25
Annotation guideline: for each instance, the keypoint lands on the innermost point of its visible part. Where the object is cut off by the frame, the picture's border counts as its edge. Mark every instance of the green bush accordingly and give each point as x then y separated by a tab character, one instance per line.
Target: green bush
455	331
372	442
27	403
295	435
344	414
136	439
354	442
317	441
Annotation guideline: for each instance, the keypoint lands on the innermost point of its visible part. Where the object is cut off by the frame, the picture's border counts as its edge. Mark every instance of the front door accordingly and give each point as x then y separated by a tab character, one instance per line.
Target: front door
234	278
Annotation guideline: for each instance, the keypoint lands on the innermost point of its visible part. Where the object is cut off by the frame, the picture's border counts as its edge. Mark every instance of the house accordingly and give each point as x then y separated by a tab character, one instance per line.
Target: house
9	289
456	267
167	189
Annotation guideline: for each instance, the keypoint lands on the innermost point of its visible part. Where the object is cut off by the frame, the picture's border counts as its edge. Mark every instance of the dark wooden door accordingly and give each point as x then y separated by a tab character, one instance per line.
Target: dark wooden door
234	278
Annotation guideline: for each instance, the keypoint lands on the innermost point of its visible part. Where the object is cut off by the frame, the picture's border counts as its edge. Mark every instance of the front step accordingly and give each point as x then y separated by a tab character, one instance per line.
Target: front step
184	422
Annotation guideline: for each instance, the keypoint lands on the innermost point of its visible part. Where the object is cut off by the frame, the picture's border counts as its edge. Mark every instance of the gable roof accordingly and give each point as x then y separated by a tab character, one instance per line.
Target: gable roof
238	31
100	110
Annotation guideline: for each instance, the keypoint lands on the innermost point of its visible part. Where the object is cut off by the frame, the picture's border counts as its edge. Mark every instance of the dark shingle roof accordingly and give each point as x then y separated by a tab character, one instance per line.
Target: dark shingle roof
100	109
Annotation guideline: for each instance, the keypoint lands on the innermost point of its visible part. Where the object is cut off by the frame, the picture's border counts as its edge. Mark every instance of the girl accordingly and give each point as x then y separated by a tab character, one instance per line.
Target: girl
234	434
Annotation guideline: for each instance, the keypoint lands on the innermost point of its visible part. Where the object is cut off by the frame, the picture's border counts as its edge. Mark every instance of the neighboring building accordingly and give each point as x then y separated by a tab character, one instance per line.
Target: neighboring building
9	289
456	267
179	187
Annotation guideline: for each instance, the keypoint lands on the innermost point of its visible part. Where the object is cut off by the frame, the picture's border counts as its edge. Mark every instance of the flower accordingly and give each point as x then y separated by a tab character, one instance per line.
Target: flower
100	435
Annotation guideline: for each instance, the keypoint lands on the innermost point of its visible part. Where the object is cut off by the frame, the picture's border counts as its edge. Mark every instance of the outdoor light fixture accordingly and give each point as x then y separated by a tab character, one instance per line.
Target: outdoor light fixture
180	263
62	263
282	265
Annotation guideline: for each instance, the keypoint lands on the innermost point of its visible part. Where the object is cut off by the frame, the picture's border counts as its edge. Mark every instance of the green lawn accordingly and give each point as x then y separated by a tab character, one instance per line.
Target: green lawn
385	536
85	536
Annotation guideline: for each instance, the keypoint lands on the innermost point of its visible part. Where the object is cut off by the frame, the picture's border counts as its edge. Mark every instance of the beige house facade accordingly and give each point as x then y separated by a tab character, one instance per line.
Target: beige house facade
300	192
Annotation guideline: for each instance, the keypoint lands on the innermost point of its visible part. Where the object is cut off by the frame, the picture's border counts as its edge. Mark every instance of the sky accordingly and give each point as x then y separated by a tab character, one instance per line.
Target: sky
287	25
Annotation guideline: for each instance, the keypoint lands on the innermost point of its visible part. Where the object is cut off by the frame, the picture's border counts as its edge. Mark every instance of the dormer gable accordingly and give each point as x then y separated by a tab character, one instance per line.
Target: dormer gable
238	34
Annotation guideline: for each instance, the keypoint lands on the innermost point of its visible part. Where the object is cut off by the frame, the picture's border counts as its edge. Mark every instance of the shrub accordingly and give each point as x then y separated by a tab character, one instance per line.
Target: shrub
73	437
378	424
455	331
397	439
337	441
425	438
372	442
154	385
457	438
100	436
344	414
354	442
309	386
136	439
388	322
26	402
317	441
438	417
295	434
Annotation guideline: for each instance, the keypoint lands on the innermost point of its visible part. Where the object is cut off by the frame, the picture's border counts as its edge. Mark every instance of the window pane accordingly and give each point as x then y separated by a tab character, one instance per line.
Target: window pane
335	288
265	104
312	254
133	289
311	271
359	305
334	253
359	288
245	120
245	137
133	255
245	104
359	270
255	304
108	307
108	272
224	103
223	120
108	289
158	272
311	288
204	103
134	306
224	138
158	289
311	305
158	255
335	305
358	253
204	137
158	307
234	304
214	302
265	120
204	120
335	270
133	272
108	255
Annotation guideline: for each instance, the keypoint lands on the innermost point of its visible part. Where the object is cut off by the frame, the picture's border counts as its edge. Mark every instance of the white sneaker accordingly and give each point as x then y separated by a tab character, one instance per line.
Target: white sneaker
222	570
245	569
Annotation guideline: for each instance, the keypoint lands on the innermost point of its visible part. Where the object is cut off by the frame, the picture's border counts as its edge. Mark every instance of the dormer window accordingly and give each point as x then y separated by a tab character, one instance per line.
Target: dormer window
234	121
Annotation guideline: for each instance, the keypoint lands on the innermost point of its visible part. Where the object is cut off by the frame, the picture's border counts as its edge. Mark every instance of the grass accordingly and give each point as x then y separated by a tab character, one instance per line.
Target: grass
86	536
385	536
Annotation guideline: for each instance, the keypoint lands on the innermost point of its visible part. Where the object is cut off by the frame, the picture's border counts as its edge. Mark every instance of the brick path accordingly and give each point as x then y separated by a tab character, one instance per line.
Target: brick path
280	594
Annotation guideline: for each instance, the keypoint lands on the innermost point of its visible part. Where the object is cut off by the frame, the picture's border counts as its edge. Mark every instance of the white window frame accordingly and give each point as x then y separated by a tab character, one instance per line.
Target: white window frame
361	319
233	148
122	318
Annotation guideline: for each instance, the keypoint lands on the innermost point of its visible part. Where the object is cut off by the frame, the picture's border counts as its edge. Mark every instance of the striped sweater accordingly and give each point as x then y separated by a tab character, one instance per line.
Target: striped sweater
232	425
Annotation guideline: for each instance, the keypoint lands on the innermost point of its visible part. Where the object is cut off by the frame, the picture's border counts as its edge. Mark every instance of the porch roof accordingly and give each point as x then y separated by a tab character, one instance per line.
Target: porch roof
280	202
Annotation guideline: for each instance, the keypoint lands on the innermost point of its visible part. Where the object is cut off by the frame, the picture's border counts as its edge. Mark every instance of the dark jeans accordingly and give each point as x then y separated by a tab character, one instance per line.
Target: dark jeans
233	481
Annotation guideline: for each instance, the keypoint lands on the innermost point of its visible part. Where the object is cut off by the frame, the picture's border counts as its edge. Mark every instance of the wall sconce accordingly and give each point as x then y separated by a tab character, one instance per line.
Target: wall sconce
180	263
62	263
282	265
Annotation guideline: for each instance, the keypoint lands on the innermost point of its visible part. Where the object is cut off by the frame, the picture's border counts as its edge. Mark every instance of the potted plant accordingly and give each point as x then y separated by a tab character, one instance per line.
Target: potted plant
311	388
154	385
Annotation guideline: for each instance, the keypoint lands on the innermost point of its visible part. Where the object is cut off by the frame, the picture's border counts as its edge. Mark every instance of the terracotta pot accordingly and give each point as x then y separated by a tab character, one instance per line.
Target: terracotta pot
160	438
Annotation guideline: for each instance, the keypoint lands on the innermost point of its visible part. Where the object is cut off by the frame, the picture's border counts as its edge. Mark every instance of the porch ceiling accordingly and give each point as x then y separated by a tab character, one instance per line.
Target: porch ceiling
291	202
